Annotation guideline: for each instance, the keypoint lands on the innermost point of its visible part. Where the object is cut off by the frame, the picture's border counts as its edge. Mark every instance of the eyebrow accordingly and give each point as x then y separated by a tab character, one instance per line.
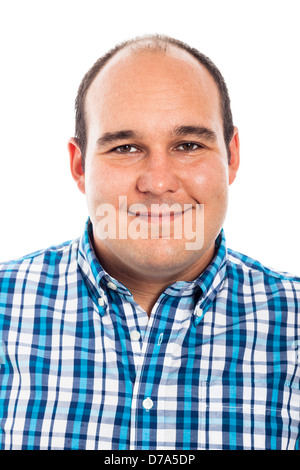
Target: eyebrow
110	137
199	131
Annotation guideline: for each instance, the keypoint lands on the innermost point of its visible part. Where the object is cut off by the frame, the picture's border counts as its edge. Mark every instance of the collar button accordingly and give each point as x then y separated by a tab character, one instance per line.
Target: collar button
198	312
111	285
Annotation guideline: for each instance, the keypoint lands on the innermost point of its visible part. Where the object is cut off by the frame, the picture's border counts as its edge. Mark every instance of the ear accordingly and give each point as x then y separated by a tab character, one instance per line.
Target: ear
76	164
234	147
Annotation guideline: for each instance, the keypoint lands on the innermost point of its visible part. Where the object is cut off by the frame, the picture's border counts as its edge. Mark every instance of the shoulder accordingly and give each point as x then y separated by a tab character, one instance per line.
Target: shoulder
239	260
250	272
45	261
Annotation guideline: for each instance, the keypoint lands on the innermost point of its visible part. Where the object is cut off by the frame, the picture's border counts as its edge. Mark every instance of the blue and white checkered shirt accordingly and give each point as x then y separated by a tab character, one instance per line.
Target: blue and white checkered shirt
83	367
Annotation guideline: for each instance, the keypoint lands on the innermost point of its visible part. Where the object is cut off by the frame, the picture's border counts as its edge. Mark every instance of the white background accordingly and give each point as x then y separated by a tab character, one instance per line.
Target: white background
46	48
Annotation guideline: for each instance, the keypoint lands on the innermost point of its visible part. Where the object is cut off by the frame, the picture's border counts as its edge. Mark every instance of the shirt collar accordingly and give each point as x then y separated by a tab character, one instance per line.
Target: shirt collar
209	281
90	265
212	278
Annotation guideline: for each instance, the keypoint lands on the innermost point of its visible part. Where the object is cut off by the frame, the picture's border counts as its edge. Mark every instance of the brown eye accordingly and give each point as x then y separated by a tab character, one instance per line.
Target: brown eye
188	146
125	149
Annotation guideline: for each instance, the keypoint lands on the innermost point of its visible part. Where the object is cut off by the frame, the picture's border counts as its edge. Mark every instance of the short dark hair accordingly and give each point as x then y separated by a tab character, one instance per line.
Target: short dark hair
152	42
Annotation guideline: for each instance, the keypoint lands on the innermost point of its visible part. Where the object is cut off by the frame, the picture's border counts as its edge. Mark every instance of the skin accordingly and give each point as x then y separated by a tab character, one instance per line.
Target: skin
153	94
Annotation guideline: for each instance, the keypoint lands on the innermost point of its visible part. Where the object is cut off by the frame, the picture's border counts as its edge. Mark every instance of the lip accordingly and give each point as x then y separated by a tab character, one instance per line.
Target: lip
161	214
158	217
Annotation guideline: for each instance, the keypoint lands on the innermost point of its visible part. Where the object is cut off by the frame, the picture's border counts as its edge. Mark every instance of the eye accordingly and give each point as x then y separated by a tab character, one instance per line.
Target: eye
125	149
188	146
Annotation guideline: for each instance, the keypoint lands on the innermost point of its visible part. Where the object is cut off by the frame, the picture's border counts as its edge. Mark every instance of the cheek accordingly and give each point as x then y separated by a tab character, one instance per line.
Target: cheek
96	189
105	184
209	183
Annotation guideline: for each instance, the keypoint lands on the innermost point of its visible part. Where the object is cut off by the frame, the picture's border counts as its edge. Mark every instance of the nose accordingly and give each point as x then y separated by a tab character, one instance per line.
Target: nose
158	176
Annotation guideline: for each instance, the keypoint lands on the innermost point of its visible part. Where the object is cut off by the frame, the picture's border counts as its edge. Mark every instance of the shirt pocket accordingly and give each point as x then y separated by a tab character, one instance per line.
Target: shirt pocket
258	414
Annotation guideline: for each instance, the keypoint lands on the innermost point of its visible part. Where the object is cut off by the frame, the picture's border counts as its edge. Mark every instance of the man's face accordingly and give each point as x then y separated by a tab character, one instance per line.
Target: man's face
155	135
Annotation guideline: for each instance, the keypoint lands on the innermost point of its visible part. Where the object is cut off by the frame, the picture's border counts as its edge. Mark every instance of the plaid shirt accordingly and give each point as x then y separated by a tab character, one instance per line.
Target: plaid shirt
83	367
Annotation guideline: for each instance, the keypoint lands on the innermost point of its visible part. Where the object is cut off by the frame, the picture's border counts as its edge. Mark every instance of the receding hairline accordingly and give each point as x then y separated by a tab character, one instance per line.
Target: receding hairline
143	47
153	43
138	49
149	44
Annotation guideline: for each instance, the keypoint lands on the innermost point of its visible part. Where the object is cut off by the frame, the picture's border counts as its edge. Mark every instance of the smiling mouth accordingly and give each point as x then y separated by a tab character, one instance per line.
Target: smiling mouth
158	217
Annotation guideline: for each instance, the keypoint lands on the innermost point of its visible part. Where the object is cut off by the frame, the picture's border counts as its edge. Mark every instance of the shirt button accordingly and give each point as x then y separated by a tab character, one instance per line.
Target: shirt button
147	404
135	335
198	312
101	302
112	285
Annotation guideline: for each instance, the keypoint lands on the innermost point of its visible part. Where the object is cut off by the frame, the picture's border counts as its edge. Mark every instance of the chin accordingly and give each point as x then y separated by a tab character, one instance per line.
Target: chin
164	254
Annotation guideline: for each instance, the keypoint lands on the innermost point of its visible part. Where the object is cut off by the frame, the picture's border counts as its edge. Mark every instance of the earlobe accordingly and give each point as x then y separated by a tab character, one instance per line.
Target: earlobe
76	164
234	147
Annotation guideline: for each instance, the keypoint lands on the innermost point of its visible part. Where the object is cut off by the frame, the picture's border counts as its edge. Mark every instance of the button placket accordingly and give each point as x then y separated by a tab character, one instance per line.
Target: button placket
140	402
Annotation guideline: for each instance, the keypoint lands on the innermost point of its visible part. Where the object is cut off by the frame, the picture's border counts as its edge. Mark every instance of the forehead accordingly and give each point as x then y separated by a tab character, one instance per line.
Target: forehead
151	81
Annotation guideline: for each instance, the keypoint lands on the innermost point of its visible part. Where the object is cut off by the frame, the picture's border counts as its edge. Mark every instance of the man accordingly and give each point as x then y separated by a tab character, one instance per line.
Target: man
133	337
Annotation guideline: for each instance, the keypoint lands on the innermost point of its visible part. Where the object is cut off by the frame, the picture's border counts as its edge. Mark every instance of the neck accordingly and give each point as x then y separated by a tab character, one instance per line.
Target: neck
146	287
